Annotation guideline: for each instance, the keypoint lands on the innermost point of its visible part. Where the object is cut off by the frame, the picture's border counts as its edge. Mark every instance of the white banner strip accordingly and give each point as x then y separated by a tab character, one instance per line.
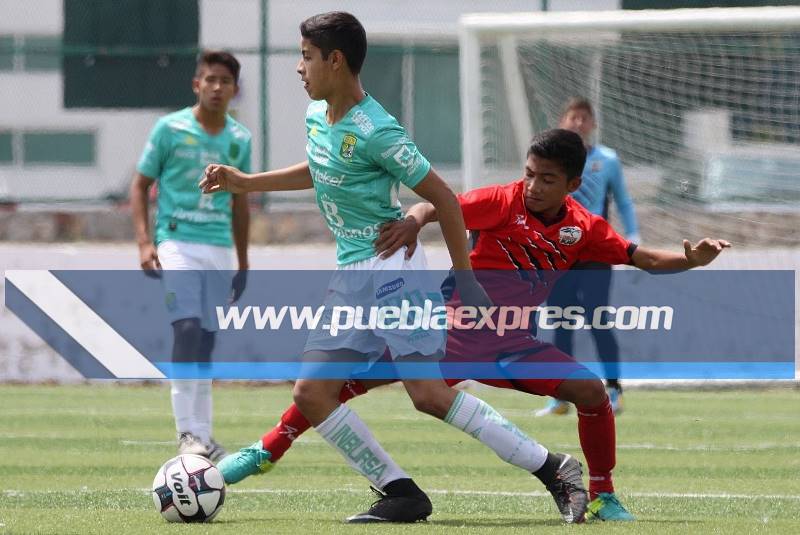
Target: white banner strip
83	324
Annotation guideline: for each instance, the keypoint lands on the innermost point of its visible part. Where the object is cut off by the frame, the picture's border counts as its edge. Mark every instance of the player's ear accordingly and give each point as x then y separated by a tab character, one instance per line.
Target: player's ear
337	59
196	85
574	183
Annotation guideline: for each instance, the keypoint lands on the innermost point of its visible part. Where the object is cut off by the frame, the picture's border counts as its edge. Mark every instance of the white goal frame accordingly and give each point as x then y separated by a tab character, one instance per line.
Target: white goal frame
503	27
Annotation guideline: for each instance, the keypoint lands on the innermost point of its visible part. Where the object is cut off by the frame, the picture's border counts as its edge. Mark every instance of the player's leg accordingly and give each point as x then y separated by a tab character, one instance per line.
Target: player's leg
595	289
596	426
203	402
564	294
217	264
401	499
265	452
187	336
183	285
560	473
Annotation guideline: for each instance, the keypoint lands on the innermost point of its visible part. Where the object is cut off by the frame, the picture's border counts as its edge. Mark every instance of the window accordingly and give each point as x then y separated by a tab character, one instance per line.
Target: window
6	147
419	86
6	52
142	53
42	53
58	148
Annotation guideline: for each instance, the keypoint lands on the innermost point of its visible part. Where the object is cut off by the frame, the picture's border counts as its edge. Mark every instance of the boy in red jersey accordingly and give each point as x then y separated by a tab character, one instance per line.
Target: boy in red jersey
533	227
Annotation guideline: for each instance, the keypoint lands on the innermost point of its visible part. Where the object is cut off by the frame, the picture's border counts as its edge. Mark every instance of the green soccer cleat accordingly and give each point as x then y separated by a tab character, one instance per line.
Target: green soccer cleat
245	463
607	507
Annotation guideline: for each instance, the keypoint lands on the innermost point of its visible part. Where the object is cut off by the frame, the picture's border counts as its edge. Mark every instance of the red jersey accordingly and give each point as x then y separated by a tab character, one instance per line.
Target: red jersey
511	238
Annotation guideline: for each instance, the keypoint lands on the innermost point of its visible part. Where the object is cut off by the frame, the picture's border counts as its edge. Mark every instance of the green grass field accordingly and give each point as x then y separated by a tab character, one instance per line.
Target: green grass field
80	459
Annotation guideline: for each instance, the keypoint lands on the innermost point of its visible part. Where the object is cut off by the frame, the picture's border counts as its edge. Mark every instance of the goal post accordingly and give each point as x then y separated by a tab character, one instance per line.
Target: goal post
698	95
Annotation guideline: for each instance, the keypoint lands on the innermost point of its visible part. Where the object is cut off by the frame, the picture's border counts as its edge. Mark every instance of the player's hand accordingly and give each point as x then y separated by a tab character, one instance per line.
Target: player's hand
395	234
238	285
704	252
219	177
470	290
148	260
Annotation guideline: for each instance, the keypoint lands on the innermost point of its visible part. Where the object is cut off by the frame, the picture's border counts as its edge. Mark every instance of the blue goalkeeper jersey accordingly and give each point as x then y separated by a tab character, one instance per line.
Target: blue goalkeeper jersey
602	176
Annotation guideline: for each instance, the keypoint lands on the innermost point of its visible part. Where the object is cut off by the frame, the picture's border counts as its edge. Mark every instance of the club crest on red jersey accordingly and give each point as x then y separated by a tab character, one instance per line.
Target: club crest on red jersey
569	235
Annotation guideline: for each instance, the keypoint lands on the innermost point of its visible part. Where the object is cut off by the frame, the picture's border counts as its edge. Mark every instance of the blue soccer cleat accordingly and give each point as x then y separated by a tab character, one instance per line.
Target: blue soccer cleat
607	507
245	463
615	399
554	406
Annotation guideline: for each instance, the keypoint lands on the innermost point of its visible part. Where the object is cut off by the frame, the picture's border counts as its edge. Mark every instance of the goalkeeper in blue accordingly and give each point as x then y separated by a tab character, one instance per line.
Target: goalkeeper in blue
357	156
601	181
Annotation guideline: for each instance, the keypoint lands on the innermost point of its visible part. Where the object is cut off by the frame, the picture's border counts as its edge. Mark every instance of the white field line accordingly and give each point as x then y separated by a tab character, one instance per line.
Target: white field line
536	494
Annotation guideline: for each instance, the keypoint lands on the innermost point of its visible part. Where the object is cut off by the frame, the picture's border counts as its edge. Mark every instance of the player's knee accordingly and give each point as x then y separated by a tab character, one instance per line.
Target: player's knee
310	395
428	399
583	392
188	338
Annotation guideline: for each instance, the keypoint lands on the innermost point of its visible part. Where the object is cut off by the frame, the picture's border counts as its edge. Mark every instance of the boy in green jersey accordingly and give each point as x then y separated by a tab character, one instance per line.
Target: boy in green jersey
357	155
195	233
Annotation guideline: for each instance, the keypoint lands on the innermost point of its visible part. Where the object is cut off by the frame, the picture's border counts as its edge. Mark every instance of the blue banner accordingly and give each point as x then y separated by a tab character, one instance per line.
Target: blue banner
703	324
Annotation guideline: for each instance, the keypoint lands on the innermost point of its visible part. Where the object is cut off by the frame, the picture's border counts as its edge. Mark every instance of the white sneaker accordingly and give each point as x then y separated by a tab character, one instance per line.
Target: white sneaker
190	444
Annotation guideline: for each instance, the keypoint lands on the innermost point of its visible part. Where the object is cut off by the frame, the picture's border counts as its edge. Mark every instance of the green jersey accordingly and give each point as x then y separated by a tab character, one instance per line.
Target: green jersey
176	154
357	165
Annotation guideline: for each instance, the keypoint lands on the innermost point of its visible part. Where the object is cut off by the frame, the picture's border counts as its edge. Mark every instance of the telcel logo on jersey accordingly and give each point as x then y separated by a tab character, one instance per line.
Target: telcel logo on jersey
324	178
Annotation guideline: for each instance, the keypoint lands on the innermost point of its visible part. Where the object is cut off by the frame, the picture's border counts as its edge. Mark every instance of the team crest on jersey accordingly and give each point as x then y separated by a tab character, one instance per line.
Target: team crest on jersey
569	235
233	151
313	132
596	167
348	146
190	140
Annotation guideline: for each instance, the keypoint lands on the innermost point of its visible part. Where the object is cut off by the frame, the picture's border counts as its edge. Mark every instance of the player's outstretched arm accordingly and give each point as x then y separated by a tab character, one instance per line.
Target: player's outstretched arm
226	178
701	254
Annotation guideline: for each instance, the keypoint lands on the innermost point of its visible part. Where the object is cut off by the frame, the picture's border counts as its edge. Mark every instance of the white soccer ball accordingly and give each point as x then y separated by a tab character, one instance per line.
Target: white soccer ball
188	488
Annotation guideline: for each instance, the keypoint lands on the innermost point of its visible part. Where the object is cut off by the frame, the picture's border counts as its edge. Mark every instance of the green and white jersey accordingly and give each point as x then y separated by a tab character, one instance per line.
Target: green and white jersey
357	165
176	154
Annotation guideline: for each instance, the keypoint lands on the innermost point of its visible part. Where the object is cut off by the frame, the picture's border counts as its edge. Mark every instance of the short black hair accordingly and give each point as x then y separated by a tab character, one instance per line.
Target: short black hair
578	103
220	57
337	30
563	147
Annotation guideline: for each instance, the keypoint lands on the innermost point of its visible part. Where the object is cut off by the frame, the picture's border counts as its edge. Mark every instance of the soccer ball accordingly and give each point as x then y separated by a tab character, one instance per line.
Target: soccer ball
188	488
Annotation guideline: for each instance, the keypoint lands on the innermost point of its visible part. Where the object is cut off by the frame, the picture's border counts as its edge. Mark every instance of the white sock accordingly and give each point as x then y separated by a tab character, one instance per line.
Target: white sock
183	394
203	408
481	421
345	431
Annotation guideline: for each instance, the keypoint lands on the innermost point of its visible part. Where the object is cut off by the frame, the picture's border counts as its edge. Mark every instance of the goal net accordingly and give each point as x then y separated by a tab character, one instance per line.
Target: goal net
702	107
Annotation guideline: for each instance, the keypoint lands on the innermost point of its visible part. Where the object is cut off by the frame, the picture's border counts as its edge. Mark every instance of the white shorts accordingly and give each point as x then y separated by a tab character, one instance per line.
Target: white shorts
196	277
376	282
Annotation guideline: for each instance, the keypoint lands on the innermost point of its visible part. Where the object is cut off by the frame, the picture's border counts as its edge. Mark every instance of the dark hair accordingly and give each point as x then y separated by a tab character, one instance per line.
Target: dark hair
337	30
220	57
563	147
578	103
